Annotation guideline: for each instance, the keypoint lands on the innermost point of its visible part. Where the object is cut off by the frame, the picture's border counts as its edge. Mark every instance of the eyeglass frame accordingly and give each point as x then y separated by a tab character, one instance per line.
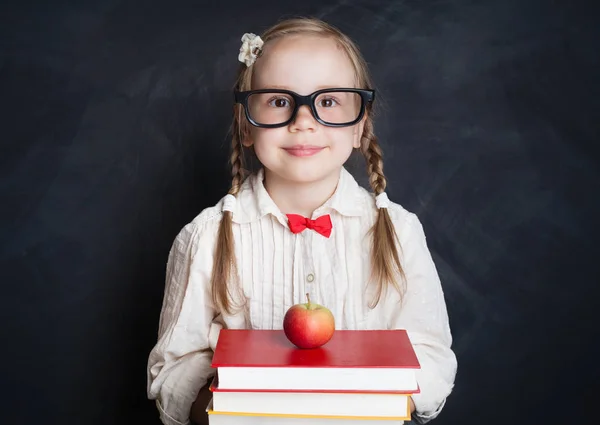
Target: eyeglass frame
367	96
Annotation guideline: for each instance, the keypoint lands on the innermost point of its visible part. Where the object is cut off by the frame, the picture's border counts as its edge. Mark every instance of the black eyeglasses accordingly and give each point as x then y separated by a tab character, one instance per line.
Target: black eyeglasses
336	107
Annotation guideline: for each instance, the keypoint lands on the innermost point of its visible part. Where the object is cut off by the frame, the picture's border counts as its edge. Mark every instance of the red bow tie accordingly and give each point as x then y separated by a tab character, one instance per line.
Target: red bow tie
320	225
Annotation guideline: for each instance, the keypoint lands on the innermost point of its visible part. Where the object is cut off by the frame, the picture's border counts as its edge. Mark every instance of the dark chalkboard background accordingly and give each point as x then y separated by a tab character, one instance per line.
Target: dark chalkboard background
114	118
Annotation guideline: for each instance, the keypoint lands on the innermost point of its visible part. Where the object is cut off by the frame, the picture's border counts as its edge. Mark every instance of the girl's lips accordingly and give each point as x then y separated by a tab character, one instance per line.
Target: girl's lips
303	150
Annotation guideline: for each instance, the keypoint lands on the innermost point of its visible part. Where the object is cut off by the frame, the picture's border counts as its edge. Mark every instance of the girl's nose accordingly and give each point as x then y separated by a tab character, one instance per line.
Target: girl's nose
304	120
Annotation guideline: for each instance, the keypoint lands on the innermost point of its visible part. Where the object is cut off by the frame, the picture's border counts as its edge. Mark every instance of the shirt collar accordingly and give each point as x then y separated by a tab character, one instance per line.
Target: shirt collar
254	202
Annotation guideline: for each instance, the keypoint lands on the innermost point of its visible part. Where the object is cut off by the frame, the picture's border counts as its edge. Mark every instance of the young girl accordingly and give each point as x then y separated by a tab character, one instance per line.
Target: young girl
301	224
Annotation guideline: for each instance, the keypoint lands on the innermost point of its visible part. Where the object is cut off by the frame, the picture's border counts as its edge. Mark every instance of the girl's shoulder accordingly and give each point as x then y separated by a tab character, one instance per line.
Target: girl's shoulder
407	224
202	229
209	216
402	218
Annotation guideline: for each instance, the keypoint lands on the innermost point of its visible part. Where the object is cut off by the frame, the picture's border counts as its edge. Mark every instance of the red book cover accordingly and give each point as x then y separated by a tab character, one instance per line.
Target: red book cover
346	349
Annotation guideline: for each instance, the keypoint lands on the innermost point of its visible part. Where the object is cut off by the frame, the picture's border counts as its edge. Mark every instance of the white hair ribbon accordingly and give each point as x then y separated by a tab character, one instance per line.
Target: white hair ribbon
382	200
229	202
251	48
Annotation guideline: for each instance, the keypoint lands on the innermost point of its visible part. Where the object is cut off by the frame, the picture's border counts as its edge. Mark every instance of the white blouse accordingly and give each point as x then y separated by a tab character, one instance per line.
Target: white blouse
276	269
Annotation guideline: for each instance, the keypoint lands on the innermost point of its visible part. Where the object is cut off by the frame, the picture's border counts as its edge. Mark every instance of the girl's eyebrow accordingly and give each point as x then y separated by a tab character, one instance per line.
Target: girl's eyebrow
275	86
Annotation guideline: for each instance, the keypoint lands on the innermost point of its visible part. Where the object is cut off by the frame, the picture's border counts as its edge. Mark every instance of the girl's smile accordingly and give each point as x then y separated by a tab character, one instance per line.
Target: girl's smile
303	150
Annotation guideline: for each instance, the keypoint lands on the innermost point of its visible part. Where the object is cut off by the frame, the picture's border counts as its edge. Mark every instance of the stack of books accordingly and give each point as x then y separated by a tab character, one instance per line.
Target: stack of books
358	377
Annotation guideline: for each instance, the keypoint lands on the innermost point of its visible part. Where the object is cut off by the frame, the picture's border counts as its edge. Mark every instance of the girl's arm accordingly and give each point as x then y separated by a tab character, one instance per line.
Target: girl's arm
423	314
179	363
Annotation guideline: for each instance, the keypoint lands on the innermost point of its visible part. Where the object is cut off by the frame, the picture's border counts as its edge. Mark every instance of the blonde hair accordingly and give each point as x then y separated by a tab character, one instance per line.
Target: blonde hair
386	266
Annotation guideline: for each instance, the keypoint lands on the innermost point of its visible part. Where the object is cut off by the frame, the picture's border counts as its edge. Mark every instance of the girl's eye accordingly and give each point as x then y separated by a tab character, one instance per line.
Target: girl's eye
279	102
328	102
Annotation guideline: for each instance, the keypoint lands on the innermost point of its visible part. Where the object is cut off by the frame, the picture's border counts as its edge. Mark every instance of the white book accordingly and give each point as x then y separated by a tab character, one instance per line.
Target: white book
220	418
315	378
381	405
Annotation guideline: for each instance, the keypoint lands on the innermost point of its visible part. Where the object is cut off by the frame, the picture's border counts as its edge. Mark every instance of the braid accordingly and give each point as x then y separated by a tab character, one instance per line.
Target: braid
224	264
373	156
237	169
385	259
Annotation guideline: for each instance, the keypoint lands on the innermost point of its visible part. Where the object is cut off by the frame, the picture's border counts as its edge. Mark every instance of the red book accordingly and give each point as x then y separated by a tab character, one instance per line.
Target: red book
353	360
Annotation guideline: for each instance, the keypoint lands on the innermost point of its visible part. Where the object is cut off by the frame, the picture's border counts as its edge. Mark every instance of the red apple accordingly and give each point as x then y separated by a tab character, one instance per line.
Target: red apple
308	325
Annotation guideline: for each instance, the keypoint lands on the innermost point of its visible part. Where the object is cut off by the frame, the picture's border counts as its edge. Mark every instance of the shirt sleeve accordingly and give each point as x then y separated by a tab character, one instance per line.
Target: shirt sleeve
424	315
180	362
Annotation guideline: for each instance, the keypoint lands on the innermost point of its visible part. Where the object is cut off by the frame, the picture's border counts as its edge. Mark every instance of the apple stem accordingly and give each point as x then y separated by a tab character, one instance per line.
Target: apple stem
308	298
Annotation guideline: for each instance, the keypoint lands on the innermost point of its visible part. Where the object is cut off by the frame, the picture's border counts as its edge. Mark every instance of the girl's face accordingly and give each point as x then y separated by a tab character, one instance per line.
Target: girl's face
304	151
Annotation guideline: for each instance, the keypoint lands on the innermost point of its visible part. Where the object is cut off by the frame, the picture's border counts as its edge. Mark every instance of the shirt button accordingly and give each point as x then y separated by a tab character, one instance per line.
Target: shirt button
310	277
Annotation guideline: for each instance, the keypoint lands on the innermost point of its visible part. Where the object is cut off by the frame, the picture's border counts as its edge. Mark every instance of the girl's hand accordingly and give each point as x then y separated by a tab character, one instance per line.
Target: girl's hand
412	405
